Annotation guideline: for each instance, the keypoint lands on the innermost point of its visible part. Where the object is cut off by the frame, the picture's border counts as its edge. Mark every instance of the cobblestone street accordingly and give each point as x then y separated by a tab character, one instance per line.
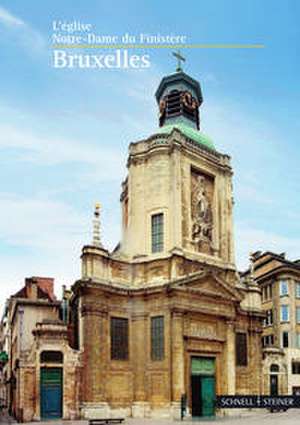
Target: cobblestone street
264	418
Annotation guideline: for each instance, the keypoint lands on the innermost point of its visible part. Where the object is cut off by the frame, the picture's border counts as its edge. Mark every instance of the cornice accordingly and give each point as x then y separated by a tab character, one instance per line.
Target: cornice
176	140
283	268
29	302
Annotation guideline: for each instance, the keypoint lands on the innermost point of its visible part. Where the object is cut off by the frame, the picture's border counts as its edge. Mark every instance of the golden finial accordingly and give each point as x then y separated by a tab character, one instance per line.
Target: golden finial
97	226
97	209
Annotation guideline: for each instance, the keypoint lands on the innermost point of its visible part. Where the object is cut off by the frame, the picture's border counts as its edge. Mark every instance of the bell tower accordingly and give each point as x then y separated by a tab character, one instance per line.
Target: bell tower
179	98
177	197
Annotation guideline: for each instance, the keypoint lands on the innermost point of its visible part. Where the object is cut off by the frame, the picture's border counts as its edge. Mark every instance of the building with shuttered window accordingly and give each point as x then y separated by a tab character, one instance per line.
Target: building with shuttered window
279	280
41	376
165	317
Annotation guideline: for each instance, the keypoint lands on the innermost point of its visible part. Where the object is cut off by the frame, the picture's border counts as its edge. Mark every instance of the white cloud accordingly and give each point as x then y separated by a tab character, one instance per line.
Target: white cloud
47	150
10	20
253	193
39	237
39	223
250	239
256	146
44	237
23	32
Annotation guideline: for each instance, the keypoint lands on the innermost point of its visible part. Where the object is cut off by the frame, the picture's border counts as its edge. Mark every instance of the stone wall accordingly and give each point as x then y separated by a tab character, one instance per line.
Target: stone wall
160	171
201	318
48	337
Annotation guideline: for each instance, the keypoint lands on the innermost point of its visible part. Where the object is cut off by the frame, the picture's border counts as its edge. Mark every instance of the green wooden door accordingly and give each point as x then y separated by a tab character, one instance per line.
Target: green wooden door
208	395
51	393
203	394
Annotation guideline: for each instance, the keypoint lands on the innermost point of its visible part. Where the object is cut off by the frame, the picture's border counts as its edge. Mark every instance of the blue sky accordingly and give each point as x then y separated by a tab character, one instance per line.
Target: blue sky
64	133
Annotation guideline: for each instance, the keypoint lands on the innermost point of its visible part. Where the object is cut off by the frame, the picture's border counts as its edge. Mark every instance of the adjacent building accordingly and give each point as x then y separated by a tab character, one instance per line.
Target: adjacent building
37	348
279	280
4	363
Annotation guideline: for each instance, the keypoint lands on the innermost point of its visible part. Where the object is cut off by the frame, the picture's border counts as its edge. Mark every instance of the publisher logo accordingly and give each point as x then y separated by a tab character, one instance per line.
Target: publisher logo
255	401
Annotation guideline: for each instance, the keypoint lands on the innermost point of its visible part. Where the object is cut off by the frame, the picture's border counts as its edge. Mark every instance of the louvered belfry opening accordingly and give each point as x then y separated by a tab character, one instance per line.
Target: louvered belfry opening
178	103
174	106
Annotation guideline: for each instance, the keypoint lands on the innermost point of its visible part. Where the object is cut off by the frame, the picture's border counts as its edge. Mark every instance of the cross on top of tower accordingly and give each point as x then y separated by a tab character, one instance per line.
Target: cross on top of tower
180	59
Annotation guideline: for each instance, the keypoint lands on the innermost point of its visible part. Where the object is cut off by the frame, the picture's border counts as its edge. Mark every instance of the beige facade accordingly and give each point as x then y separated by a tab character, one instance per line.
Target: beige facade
201	318
175	261
50	336
33	318
279	280
160	180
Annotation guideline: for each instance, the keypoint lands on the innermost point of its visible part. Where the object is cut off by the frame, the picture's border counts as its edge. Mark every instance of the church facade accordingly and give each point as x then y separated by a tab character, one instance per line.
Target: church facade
165	317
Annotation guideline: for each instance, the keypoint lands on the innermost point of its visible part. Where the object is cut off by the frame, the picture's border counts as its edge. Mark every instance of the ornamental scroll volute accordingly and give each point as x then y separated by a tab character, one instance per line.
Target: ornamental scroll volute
202	211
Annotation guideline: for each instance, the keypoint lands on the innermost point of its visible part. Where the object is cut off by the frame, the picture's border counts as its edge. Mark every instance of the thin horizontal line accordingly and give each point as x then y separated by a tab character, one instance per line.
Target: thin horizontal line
158	46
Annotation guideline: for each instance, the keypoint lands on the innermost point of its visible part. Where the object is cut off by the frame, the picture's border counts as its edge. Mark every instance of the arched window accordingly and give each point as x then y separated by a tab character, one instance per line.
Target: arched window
51	357
274	368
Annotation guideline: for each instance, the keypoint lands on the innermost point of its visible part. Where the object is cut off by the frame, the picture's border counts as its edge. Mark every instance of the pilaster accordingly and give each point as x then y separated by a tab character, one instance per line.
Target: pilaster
231	364
177	356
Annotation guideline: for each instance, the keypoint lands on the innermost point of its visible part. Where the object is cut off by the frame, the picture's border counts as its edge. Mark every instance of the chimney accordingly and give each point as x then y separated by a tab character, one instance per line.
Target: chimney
31	288
46	284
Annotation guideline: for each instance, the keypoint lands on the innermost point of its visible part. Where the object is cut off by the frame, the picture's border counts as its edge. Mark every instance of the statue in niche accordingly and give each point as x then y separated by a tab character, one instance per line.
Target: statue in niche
202	218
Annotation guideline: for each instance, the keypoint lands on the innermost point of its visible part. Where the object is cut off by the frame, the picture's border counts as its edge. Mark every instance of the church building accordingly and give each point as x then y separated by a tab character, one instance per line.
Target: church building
165	315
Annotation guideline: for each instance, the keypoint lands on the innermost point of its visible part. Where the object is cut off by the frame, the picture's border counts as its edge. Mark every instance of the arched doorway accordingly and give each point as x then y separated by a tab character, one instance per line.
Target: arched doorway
51	384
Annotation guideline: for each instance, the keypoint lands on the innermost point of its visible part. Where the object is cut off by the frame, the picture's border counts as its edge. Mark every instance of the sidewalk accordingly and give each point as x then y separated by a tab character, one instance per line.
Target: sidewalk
292	417
6	419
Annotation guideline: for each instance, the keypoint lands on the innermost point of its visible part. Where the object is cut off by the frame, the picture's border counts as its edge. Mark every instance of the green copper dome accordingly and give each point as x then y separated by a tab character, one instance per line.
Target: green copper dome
189	132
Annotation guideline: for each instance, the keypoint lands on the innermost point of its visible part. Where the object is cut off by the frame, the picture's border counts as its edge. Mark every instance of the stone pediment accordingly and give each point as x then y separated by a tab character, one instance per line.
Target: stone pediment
210	284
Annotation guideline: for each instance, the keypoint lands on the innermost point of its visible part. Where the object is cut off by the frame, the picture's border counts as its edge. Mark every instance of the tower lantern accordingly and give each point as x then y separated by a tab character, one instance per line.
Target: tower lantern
179	98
